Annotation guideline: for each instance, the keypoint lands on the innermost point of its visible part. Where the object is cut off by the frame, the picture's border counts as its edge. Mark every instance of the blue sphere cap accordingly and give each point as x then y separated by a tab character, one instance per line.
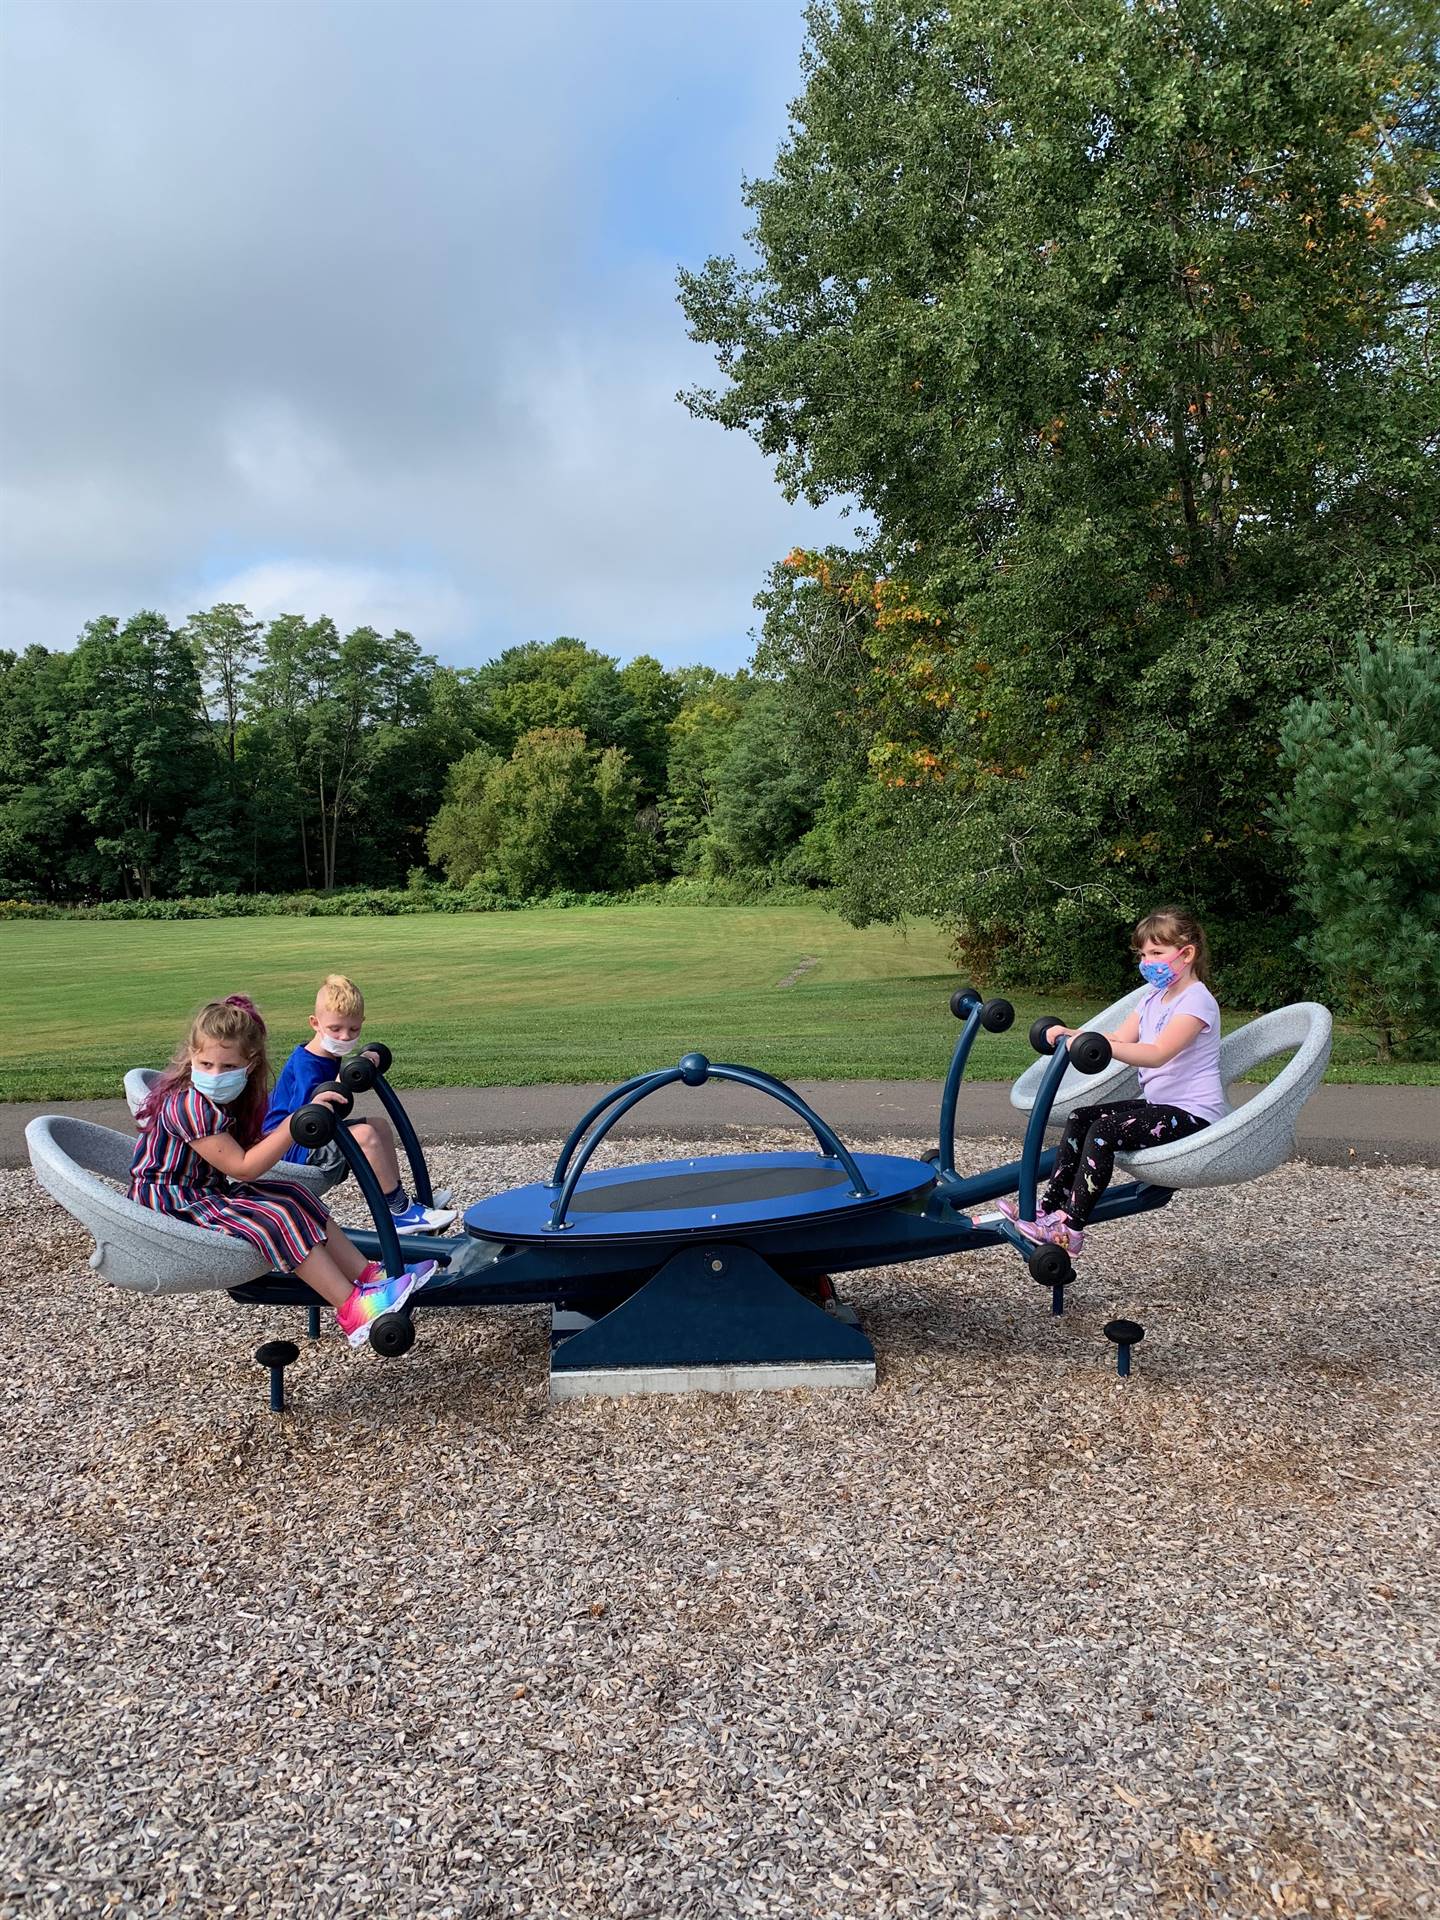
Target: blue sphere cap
694	1069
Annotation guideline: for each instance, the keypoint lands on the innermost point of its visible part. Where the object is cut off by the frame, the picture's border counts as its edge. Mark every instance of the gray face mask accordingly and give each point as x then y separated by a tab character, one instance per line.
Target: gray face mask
338	1047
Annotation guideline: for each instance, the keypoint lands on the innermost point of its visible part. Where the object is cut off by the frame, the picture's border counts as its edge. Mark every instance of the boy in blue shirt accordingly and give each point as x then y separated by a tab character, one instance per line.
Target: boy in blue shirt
334	1030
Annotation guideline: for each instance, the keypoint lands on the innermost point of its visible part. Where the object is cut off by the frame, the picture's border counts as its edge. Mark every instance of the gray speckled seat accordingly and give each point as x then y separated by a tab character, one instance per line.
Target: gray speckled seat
315	1179
138	1082
1256	1138
87	1168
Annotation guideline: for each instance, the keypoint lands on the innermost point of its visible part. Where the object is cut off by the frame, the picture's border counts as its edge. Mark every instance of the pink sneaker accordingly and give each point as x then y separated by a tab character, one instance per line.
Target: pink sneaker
1060	1233
1033	1230
1011	1211
369	1301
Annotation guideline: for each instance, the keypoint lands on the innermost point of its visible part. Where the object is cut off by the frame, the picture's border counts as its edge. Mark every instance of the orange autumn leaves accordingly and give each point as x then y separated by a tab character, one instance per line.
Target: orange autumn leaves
918	674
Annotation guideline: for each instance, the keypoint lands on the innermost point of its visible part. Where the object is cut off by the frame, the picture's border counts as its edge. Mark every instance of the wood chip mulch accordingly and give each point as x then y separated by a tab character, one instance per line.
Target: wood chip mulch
1007	1637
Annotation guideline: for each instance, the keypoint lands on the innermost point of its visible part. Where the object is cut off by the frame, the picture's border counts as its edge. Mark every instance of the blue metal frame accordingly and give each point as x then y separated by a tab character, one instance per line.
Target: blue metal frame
780	1090
950	1098
409	1140
593	1275
524	1215
964	1191
595	1271
616	1093
1030	1152
386	1240
621	1099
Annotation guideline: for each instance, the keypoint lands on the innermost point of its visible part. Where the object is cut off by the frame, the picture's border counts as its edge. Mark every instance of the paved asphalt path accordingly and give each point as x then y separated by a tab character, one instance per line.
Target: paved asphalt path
1339	1126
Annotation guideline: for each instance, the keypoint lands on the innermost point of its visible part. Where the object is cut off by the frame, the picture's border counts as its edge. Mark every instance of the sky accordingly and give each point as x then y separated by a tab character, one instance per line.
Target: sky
368	309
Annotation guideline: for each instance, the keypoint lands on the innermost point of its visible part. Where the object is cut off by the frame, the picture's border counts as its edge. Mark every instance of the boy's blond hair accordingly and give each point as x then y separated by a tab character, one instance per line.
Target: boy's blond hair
338	994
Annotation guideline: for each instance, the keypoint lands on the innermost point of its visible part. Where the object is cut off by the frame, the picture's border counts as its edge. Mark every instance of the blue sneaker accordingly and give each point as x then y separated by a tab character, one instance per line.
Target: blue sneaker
418	1219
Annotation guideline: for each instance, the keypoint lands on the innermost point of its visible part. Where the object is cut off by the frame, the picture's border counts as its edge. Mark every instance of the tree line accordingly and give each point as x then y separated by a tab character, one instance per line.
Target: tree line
226	755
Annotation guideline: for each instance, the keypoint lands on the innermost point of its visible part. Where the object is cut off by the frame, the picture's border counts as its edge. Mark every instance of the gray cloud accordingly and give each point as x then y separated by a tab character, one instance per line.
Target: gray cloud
369	309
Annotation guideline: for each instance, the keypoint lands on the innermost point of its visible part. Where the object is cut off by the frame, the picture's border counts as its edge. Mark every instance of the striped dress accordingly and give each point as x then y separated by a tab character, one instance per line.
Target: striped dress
280	1220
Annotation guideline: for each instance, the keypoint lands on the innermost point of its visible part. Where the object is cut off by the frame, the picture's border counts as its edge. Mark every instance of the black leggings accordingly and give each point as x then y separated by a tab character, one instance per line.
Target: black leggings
1093	1136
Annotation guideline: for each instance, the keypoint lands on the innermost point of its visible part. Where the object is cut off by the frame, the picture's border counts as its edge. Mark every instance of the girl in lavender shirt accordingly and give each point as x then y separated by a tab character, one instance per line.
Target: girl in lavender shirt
1173	1037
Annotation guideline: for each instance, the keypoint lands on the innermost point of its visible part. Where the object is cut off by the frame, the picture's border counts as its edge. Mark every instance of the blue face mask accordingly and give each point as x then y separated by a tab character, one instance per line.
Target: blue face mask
222	1088
1159	973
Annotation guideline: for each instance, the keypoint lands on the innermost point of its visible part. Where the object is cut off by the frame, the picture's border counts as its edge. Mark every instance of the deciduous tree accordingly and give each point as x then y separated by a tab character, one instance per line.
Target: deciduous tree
1116	323
137	756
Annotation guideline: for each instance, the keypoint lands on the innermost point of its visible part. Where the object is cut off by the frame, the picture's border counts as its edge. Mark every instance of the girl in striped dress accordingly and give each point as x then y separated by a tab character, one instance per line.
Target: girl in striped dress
201	1150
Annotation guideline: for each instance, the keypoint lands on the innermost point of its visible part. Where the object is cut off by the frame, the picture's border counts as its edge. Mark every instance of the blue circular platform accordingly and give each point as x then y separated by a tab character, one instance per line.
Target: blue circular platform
720	1195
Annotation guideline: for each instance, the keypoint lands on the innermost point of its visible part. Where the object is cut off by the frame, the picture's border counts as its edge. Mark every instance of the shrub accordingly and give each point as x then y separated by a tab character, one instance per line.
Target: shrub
434	897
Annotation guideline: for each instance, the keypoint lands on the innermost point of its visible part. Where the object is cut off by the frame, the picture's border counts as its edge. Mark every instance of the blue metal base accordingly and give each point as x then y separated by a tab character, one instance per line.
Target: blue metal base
684	1275
592	1276
715	1318
686	1270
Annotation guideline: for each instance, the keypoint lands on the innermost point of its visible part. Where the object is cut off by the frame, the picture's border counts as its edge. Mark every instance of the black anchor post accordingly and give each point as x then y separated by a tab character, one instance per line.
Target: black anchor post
1126	1334
277	1355
1051	1266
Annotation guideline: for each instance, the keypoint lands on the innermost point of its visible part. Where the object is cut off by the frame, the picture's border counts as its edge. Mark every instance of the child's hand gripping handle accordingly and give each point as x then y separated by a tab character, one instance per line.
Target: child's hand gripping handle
319	1122
1087	1053
313	1125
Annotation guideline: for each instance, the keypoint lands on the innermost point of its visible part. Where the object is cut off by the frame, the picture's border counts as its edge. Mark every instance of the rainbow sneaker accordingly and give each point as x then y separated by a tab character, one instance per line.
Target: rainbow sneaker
369	1301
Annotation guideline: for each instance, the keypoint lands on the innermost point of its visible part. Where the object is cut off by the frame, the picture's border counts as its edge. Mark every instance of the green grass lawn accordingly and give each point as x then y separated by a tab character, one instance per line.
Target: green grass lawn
591	993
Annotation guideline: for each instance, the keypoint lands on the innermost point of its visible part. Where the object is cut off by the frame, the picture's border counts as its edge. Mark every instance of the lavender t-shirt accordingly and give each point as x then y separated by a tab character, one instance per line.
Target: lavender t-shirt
1191	1080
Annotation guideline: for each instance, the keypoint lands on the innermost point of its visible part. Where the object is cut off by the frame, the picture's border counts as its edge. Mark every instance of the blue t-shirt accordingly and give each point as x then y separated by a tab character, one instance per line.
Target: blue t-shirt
299	1077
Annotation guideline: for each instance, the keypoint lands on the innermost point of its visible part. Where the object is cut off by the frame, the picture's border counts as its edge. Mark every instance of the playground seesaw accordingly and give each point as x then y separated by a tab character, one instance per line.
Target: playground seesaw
714	1272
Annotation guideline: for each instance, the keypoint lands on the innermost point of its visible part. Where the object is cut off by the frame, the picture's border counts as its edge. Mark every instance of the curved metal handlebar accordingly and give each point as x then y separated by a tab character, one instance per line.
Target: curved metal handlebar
361	1074
620	1099
1035	1131
660	1076
950	1098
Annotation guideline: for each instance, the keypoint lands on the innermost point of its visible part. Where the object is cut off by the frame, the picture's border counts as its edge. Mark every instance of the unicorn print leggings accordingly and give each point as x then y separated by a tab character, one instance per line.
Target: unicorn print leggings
1093	1136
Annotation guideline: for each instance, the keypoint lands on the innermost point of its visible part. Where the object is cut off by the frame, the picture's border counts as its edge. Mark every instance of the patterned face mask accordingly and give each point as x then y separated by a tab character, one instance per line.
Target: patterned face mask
1159	973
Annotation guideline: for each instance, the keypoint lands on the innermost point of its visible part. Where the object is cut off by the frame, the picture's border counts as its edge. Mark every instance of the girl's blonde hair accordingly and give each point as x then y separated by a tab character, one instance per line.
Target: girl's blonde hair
234	1022
1177	928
